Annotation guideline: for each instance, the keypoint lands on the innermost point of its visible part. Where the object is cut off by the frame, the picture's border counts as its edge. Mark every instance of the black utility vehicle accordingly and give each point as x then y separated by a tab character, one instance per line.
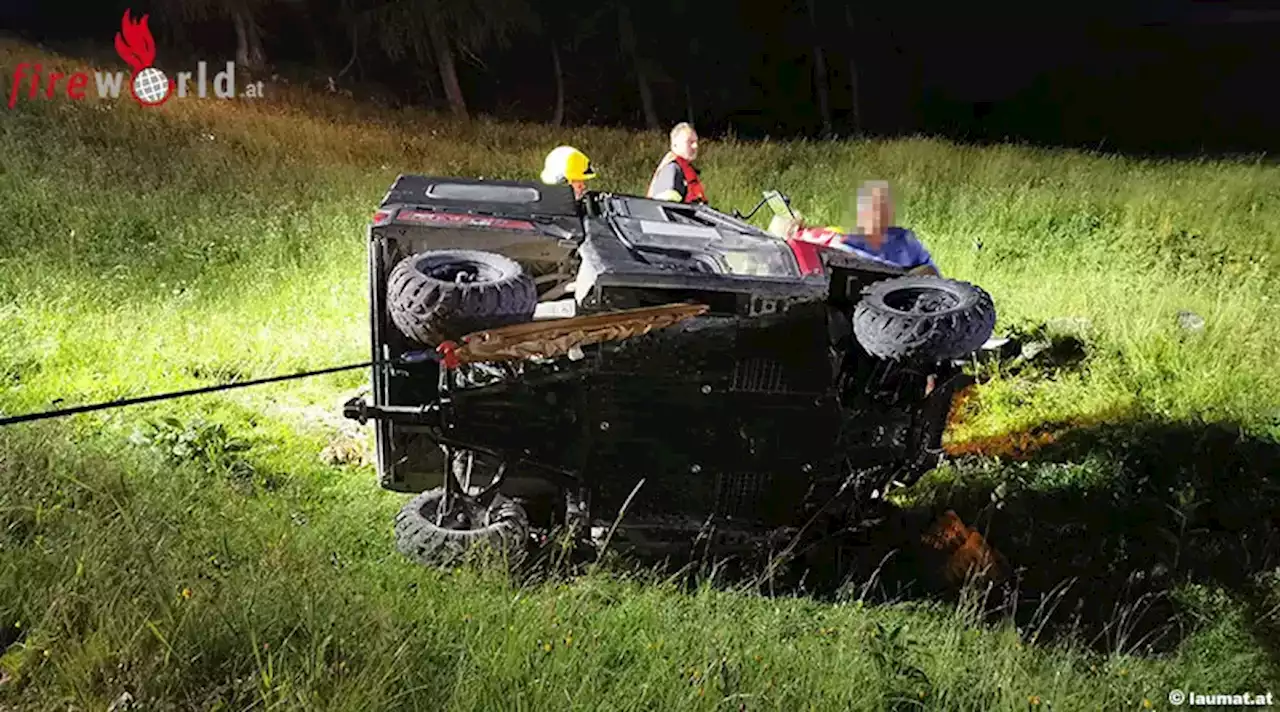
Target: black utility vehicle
670	363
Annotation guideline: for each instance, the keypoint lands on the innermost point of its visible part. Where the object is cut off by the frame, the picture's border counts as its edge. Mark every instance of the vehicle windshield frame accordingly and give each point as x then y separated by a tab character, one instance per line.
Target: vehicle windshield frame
742	250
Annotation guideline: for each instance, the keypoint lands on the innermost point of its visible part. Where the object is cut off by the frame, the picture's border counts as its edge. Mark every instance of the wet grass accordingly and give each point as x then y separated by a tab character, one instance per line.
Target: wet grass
200	555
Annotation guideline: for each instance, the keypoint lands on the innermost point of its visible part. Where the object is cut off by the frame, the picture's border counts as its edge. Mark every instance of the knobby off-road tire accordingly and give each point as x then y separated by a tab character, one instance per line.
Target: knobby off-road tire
441	295
503	529
923	319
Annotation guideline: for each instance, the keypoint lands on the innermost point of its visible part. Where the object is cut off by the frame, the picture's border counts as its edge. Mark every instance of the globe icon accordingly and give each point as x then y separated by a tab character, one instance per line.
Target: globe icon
150	86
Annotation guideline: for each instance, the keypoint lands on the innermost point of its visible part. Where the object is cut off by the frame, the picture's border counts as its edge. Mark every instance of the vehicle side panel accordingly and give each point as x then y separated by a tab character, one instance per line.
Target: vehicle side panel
523	245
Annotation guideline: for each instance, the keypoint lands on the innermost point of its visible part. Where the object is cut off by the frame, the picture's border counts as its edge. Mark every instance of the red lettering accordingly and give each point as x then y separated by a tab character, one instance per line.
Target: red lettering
35	83
77	84
53	83
17	81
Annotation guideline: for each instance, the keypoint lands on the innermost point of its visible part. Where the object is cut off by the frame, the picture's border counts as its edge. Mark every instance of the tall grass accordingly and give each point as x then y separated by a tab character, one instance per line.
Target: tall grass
151	250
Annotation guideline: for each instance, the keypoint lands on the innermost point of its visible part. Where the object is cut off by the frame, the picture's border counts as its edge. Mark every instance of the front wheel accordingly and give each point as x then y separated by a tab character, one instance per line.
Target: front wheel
923	319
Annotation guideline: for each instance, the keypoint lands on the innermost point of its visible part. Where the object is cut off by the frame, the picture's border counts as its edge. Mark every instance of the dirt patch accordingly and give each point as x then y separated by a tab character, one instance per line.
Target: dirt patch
347	449
1011	446
963	405
1023	444
347	442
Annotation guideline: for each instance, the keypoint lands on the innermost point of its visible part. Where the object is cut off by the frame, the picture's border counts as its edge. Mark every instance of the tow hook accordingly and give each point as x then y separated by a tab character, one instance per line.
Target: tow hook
356	409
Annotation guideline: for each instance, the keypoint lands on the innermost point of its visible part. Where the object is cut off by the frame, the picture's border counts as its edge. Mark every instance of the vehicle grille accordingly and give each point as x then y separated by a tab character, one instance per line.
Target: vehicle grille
739	494
758	375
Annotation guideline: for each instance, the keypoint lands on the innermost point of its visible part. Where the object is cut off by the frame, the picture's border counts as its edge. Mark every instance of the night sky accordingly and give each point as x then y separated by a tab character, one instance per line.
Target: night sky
1172	77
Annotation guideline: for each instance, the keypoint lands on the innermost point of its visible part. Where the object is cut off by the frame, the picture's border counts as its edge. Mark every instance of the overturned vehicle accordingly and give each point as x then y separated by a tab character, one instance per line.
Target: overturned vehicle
544	363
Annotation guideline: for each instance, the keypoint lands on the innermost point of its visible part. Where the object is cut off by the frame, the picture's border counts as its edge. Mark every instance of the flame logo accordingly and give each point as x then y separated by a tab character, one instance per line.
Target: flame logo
134	43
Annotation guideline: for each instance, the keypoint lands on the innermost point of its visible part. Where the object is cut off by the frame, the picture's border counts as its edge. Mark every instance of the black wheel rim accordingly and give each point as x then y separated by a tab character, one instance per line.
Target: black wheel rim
459	517
921	300
459	272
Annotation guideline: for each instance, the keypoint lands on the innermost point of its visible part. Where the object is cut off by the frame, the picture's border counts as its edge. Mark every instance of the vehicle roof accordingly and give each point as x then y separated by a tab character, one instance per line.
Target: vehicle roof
506	198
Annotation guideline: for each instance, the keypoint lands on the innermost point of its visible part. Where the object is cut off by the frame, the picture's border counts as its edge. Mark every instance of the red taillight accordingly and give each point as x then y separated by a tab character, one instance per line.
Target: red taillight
808	256
382	217
432	217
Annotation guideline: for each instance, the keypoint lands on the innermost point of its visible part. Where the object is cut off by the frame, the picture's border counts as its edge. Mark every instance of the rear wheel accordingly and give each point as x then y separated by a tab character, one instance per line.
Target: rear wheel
442	295
433	537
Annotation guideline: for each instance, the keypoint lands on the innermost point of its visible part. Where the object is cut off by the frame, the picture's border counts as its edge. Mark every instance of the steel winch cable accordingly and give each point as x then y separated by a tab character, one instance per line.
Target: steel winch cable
76	410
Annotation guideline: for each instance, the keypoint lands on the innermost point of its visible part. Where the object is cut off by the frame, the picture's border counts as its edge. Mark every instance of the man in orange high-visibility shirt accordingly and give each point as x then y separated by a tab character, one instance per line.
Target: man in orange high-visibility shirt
676	179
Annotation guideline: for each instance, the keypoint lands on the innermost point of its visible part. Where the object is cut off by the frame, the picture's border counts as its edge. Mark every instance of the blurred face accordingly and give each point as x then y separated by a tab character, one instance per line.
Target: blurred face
685	145
579	187
875	213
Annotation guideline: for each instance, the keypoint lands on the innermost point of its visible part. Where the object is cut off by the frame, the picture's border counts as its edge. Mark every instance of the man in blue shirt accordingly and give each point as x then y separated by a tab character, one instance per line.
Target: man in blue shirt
877	238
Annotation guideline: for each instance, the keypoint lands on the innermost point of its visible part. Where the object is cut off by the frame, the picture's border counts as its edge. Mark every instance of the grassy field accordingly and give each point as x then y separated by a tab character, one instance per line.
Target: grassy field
201	554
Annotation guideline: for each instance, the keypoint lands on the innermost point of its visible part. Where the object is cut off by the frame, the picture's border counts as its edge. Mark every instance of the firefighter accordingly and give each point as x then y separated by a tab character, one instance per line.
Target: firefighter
676	178
566	164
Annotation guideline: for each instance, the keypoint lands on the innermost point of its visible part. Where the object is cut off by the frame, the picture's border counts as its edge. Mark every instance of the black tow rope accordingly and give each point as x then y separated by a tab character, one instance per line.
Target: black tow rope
176	394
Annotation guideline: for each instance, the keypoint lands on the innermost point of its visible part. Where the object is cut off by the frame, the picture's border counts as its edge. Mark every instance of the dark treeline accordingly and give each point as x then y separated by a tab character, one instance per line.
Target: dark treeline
1168	77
